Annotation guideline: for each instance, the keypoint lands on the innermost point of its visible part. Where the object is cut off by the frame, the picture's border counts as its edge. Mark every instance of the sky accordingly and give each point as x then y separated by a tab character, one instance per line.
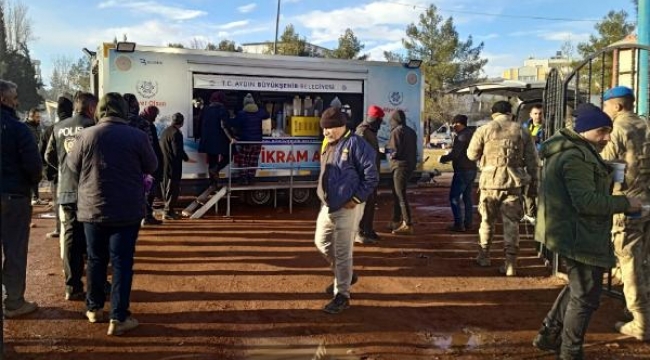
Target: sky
512	30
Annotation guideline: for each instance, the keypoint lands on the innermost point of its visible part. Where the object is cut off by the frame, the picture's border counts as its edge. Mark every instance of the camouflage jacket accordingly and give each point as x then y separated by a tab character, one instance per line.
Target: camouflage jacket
630	142
506	154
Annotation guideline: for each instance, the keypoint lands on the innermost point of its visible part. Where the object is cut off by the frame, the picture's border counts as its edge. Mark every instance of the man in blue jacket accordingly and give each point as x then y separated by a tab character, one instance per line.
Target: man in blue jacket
21	170
348	176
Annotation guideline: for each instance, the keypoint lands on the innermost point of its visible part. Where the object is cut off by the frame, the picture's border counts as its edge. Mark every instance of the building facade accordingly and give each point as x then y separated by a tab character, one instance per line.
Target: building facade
537	69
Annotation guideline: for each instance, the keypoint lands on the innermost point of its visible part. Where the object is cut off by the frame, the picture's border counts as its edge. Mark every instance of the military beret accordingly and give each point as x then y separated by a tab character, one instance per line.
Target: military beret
618	92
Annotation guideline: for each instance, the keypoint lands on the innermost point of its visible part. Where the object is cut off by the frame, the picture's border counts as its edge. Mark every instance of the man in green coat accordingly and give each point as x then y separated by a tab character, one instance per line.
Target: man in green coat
574	220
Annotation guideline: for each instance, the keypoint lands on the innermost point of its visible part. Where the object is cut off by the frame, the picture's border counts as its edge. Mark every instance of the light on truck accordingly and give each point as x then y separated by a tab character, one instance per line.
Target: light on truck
125	46
413	63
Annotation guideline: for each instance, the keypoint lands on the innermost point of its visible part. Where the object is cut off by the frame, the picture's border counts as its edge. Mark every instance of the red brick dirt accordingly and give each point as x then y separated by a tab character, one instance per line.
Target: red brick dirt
252	287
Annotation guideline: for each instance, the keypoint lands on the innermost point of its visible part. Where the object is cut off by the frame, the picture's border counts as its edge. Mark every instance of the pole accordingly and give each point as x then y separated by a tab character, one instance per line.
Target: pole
277	25
643	39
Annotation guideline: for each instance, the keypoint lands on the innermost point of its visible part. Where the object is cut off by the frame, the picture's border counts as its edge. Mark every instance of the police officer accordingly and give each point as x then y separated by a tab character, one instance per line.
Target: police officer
631	236
73	240
508	163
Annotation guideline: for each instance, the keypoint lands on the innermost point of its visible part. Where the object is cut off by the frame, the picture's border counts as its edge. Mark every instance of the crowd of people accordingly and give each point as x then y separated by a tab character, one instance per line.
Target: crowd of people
108	163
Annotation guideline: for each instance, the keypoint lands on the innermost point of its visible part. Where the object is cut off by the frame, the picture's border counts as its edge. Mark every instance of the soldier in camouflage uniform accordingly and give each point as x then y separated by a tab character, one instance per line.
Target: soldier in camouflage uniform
508	162
631	236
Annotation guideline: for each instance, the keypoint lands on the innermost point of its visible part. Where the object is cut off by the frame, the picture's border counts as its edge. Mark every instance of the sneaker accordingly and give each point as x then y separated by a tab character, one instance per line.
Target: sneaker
394	225
404	230
95	316
508	270
117	328
632	329
364	239
151	221
548	339
75	296
171	216
372	235
456	228
39	202
483	258
338	304
52	235
26	308
329	290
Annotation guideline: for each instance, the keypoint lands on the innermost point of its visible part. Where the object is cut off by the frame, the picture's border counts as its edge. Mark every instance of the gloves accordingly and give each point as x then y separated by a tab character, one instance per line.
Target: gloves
532	189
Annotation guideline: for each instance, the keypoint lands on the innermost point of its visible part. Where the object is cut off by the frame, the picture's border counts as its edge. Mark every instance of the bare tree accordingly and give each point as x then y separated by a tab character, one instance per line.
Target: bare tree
198	43
18	25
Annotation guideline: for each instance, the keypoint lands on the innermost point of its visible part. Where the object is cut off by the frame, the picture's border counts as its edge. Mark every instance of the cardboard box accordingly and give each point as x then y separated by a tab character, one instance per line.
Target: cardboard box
304	126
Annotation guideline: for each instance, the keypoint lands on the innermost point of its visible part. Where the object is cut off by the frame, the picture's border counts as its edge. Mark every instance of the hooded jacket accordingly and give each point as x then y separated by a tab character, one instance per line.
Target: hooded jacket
21	161
214	126
575	206
458	154
402	145
110	160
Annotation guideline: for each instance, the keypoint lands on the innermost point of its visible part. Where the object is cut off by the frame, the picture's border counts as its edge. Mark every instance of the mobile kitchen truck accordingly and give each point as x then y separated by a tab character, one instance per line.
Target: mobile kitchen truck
291	89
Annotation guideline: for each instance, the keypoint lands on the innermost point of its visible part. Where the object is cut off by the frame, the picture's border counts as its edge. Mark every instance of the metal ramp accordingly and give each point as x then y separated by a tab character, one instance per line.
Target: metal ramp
204	202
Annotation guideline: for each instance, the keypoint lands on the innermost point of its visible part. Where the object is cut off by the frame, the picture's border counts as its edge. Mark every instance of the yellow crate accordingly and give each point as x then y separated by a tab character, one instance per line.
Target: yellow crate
304	126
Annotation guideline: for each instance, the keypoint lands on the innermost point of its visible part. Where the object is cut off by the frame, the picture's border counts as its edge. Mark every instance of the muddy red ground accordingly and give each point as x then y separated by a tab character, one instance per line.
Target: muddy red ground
251	287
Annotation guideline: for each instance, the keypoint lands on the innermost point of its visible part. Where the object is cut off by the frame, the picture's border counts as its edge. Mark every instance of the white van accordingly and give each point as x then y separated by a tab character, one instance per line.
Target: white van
444	135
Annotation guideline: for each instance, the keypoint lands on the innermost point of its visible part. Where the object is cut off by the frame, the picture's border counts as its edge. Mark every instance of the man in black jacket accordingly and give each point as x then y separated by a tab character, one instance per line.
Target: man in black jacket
464	175
148	117
171	144
21	170
73	242
33	122
402	152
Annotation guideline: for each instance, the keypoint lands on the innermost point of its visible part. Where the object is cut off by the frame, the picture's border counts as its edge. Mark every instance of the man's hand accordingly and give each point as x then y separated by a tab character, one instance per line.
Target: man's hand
635	205
350	205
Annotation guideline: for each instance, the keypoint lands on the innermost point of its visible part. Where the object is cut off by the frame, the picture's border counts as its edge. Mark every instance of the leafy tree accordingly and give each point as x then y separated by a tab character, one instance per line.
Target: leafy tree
391	56
290	43
3	42
349	47
228	45
447	61
176	45
613	27
23	75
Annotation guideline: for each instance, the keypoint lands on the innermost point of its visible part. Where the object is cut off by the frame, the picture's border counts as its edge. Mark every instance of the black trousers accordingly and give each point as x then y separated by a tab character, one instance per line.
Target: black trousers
366	223
401	208
573	308
14	233
155	186
171	189
74	248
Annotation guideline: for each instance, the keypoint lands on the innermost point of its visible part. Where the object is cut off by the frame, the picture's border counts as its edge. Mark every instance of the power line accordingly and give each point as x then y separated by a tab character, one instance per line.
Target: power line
496	15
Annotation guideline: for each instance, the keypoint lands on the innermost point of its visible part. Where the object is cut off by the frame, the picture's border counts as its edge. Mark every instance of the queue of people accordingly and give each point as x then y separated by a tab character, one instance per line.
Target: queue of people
107	153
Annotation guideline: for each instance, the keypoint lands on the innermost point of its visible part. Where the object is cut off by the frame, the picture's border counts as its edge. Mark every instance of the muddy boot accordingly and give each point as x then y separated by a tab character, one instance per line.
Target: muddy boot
509	268
548	338
483	258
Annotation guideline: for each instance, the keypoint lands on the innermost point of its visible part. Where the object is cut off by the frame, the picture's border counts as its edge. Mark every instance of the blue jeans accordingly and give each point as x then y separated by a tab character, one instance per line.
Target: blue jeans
461	187
116	243
574	306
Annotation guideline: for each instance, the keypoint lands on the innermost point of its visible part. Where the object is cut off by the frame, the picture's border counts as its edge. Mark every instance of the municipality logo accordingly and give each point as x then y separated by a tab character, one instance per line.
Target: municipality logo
395	98
147	88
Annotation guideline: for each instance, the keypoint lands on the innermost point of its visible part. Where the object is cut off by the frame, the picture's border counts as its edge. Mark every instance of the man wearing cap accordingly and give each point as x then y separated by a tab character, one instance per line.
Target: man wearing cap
171	145
464	175
508	163
348	176
368	130
574	220
631	236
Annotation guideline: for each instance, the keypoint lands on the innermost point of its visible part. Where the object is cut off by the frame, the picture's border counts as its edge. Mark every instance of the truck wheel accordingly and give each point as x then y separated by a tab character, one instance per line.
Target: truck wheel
258	197
302	196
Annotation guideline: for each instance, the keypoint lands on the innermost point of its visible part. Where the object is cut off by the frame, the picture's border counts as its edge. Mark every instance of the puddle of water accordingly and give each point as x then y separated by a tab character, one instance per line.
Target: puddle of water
467	339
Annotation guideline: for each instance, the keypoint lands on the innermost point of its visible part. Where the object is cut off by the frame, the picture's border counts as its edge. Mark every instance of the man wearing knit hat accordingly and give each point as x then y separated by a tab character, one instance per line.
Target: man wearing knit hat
630	144
348	175
368	130
248	128
574	220
402	153
508	162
